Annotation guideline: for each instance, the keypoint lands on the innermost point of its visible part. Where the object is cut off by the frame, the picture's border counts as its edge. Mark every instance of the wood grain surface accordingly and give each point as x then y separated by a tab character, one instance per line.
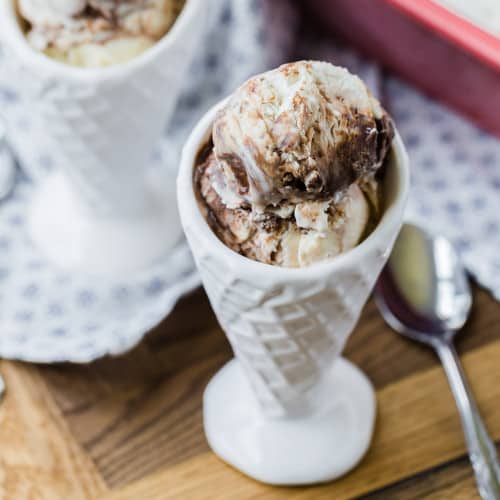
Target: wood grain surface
131	427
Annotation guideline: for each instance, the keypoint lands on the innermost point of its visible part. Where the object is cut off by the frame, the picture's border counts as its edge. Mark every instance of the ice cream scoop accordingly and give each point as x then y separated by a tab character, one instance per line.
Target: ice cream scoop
306	130
96	33
292	174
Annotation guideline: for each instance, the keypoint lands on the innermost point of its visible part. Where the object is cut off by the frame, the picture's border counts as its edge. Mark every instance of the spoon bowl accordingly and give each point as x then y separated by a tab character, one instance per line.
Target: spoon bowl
423	291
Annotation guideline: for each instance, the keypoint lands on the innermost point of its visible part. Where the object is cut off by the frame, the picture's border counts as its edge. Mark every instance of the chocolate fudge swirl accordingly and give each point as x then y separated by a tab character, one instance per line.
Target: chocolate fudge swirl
305	131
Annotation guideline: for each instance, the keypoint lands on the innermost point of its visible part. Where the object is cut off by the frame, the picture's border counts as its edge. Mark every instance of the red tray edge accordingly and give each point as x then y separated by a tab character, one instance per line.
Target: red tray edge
457	29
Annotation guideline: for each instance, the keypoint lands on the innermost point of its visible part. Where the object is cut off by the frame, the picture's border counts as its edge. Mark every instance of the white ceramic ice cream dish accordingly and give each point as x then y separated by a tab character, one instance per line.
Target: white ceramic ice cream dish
289	409
101	214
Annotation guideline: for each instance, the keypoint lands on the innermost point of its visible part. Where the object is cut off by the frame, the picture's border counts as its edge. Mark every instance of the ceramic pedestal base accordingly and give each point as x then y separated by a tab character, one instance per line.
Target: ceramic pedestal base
304	450
76	240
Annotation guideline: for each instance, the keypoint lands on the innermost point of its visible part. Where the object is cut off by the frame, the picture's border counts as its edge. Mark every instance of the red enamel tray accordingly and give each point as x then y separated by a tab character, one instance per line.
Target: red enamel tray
442	53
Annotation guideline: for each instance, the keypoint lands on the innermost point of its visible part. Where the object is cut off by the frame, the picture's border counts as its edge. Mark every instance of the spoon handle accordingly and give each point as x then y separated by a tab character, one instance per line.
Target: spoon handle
482	451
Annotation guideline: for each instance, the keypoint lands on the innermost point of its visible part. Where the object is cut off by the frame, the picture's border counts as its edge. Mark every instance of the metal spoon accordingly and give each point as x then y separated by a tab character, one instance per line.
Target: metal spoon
423	293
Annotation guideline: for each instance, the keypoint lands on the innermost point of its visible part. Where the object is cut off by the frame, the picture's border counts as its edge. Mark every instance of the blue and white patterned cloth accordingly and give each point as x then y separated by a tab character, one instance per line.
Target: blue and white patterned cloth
47	315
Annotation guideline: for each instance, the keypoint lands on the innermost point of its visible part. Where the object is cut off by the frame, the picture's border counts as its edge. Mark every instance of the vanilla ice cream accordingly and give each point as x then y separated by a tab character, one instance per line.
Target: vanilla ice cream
96	33
292	173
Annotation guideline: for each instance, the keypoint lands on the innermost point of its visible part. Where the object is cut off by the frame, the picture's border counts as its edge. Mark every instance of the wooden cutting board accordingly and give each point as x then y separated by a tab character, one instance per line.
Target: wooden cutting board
131	428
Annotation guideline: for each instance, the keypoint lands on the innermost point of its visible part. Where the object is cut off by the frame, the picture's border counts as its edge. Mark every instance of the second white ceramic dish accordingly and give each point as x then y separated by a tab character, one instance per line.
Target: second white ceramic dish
98	214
